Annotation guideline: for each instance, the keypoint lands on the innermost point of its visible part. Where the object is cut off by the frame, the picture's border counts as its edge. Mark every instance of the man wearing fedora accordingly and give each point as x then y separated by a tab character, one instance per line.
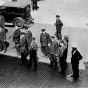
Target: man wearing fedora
76	57
58	25
44	41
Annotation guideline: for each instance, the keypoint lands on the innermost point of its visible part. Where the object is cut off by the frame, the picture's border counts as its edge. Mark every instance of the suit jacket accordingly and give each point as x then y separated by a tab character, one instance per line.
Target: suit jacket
29	38
76	56
22	44
58	25
44	39
16	35
53	49
2	34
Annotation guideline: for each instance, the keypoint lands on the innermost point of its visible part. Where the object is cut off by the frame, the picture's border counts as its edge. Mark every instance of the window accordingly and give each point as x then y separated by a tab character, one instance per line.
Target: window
4	9
14	10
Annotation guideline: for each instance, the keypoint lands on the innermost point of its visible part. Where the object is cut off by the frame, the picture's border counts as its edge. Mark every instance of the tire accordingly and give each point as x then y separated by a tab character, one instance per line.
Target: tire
19	23
2	20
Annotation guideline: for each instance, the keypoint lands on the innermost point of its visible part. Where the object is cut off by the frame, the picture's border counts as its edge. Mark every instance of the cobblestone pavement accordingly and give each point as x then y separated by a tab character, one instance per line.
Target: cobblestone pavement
15	75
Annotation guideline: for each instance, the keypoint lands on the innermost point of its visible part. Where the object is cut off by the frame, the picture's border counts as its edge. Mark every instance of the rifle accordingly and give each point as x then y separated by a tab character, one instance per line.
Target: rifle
10	36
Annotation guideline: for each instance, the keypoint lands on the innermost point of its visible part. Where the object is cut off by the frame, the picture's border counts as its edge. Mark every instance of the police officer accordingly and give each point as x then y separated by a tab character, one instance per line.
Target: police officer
58	25
76	57
44	40
33	54
22	45
16	37
2	39
28	35
53	51
34	2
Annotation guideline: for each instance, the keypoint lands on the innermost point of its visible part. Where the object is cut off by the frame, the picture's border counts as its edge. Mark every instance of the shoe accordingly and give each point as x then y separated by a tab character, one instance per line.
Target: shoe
35	69
75	78
50	65
5	51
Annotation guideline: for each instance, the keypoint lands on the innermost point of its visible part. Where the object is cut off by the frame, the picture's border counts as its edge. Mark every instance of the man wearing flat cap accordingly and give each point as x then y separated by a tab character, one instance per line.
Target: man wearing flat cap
16	37
28	35
22	45
58	25
44	41
76	57
33	53
53	51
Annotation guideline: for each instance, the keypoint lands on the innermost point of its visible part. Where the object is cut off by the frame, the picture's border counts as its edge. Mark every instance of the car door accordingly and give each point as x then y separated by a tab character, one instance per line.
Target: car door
14	12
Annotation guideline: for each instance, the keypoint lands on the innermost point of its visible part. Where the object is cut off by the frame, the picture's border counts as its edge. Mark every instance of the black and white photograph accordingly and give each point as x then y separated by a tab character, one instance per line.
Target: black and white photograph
43	44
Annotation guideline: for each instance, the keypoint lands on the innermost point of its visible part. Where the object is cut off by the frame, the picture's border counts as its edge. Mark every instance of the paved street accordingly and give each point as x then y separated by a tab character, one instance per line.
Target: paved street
15	75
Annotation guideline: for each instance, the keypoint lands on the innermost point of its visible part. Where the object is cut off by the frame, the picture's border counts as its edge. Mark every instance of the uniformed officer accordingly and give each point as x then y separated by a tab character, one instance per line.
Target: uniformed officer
2	39
33	54
16	37
22	45
53	51
28	35
44	40
76	57
34	2
58	25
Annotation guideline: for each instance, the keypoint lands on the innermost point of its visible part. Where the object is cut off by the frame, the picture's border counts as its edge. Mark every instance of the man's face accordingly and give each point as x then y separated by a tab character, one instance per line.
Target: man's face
57	18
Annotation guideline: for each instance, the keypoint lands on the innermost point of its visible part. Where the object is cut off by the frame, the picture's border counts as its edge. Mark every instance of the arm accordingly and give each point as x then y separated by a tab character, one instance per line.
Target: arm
40	38
4	34
23	42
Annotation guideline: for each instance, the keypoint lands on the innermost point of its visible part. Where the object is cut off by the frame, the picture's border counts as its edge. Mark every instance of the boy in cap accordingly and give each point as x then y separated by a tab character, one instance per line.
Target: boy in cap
33	53
53	51
58	25
44	40
76	57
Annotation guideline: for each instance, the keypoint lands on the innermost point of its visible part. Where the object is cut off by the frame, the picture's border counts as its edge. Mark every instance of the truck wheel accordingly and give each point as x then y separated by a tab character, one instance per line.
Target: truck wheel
19	23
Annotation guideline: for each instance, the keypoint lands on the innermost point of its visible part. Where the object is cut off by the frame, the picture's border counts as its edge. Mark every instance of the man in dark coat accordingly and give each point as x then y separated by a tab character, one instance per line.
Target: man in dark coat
58	25
33	53
16	37
76	57
62	57
44	40
28	35
22	46
34	3
66	40
53	51
2	39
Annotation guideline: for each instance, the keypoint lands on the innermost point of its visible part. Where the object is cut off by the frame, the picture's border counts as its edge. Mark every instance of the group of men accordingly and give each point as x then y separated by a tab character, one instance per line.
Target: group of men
26	46
56	49
53	47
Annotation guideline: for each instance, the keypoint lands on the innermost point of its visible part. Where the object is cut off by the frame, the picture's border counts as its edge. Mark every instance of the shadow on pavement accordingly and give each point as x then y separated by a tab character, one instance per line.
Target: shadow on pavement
15	75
